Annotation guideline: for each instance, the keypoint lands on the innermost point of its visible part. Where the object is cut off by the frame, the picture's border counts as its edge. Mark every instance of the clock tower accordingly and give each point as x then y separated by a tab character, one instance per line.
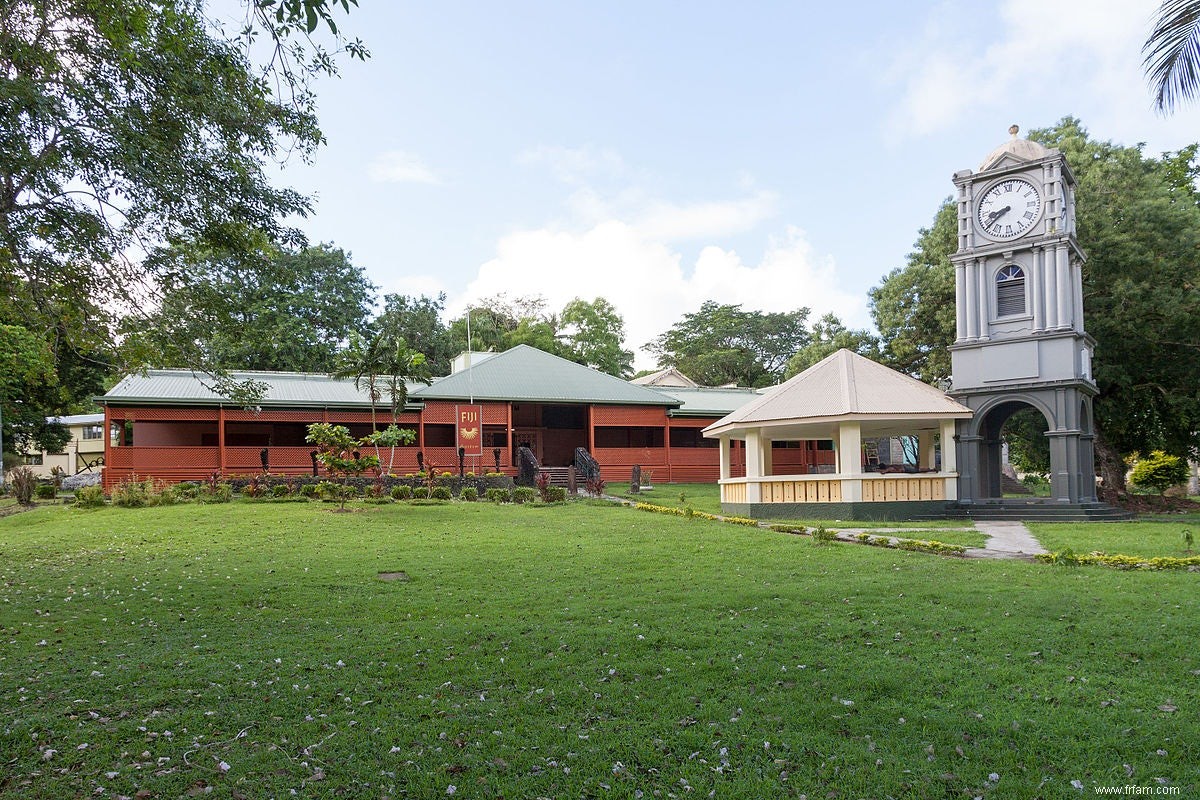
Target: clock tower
1020	338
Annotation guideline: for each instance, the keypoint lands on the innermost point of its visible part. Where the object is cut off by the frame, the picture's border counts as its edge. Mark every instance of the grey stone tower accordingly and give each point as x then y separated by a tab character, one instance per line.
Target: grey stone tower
1019	299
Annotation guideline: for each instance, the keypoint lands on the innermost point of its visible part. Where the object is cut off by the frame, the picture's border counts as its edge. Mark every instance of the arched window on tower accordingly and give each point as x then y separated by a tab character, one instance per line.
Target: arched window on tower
1010	291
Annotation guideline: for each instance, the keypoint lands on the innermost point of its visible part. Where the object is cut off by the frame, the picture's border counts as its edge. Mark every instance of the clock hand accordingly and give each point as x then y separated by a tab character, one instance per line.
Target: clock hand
995	215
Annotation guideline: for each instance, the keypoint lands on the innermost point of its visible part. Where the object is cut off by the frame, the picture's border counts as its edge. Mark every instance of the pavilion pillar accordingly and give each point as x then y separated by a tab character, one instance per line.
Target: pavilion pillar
726	458
849	460
754	466
949	459
667	446
927	457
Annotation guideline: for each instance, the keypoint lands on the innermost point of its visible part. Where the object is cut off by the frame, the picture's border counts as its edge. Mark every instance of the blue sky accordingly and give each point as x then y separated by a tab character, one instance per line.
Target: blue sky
661	154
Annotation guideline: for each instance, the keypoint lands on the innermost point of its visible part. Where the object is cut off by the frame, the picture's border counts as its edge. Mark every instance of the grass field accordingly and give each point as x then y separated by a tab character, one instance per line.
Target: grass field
252	650
1149	538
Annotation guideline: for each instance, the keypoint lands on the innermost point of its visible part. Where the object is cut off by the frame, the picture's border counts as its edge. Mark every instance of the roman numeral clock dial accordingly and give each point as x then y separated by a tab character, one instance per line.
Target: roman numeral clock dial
1009	209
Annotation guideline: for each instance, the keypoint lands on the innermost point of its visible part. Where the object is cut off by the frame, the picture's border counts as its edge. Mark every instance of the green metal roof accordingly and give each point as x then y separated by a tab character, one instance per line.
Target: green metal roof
284	390
526	374
707	401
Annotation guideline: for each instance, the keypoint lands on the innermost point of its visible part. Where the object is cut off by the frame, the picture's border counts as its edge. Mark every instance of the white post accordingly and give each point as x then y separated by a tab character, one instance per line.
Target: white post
754	466
927	458
849	460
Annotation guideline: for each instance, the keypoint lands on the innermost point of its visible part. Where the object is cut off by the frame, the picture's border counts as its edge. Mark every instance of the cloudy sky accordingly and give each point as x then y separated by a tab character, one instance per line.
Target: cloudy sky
660	154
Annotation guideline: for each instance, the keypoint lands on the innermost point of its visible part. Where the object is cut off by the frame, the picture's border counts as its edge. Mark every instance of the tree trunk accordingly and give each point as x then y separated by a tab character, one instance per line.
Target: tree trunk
1112	471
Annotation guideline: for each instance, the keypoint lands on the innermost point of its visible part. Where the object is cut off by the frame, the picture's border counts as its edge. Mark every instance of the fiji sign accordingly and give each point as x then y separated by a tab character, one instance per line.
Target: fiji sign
468	429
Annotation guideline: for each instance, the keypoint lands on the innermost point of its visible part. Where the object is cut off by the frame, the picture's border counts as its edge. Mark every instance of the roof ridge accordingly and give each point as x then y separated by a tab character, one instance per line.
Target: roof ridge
849	392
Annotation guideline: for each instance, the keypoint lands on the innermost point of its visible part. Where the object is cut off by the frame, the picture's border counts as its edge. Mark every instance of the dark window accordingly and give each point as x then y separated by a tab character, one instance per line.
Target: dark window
1010	291
563	417
825	444
690	437
439	436
629	437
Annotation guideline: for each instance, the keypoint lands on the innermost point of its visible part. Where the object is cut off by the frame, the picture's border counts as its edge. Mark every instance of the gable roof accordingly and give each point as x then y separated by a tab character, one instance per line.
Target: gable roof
284	389
670	376
844	386
526	374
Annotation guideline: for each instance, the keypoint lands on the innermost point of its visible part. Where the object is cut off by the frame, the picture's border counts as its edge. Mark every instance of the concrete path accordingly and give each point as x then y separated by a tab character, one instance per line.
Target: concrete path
1006	540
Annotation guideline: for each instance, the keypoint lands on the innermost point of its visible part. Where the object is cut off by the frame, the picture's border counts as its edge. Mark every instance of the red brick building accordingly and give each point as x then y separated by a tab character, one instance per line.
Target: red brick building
168	424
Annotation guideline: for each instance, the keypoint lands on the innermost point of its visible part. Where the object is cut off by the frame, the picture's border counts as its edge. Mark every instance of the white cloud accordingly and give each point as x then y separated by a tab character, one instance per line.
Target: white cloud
397	166
672	222
648	282
1043	50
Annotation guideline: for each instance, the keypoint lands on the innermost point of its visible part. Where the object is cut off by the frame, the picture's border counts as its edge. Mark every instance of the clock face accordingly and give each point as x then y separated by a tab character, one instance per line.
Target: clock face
1009	209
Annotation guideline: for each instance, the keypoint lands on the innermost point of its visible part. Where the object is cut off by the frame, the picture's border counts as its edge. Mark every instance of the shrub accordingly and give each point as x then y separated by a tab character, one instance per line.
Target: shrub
542	481
186	491
470	494
89	497
45	491
440	493
823	535
216	493
308	490
1159	471
255	487
781	528
555	494
523	494
281	490
595	486
421	493
21	483
402	492
131	493
496	495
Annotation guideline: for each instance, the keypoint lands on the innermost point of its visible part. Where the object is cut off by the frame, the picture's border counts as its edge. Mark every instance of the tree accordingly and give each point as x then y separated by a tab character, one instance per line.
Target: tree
28	382
594	335
417	320
266	309
586	333
1139	222
720	344
913	307
828	336
1172	51
338	452
129	125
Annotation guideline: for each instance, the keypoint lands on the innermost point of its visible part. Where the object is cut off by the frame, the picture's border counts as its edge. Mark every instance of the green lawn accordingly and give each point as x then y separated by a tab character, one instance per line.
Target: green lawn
1143	538
571	651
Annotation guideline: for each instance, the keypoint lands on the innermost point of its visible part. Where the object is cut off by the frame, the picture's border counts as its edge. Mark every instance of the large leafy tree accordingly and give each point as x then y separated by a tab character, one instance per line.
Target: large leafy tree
828	336
720	344
590	333
417	320
266	309
594	334
913	307
130	125
28	383
1139	222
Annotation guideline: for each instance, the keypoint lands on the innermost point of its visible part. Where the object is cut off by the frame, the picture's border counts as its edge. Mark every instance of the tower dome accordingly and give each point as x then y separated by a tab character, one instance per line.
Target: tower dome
1014	148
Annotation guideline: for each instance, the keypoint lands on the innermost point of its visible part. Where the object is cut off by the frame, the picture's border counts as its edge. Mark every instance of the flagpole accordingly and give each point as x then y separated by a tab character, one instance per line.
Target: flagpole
470	380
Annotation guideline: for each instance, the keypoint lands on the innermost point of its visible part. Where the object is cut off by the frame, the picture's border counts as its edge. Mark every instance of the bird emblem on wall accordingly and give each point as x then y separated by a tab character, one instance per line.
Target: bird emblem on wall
468	433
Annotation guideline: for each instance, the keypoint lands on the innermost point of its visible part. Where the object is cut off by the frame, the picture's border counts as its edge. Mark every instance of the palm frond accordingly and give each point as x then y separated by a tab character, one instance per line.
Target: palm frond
1172	53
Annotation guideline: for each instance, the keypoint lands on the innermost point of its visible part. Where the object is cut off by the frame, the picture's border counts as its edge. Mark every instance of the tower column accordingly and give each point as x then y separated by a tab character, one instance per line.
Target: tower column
960	301
1035	289
972	308
1065	294
981	298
